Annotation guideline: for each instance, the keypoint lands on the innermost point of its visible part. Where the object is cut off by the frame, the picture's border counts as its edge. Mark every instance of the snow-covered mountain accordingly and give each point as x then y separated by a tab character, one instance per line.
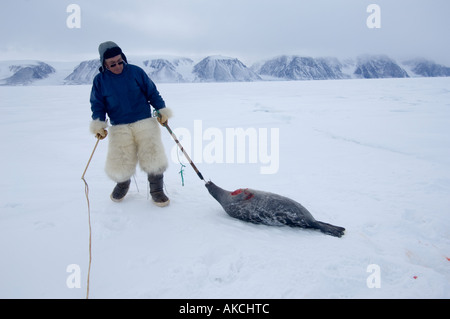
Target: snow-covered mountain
427	68
308	68
160	70
24	72
165	70
301	68
175	70
379	66
223	69
170	69
84	73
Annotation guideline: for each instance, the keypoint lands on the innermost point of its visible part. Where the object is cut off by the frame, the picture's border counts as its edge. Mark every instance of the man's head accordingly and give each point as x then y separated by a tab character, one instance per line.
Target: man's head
111	57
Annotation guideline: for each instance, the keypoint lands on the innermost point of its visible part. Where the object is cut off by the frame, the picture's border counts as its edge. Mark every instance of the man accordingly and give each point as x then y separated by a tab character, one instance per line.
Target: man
124	92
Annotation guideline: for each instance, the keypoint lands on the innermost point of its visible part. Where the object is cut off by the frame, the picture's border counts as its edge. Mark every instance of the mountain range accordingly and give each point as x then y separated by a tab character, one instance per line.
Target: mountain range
224	69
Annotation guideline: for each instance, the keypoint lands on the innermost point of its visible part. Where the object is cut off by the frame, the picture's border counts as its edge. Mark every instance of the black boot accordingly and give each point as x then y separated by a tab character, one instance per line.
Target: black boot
156	190
120	191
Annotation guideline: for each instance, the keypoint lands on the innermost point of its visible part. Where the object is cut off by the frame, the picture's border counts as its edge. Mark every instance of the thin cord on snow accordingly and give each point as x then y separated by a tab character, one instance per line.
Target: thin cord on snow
135	183
86	191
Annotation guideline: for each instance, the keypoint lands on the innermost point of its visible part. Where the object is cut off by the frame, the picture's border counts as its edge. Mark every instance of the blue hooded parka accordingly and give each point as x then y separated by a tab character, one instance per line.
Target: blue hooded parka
125	97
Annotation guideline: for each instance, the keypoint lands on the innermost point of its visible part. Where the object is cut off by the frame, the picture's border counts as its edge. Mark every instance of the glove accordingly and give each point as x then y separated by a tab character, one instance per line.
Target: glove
163	115
98	128
102	135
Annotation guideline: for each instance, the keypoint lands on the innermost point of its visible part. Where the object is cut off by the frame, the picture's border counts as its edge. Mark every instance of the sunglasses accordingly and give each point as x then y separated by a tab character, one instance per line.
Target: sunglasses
115	64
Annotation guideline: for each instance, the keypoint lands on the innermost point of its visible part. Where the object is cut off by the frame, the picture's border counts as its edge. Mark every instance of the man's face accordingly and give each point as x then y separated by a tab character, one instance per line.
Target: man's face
115	64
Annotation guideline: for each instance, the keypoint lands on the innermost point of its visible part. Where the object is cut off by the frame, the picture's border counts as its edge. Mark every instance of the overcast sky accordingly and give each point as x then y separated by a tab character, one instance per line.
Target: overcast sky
247	29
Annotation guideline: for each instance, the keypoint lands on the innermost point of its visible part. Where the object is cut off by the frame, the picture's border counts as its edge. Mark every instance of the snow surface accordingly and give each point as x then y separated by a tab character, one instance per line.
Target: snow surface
372	156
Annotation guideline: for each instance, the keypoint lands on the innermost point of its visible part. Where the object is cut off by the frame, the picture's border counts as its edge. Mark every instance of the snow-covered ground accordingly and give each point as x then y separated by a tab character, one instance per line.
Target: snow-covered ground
372	156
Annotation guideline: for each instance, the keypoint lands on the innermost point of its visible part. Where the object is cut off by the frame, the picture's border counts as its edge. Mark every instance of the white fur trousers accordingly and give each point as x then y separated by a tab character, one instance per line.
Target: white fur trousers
133	143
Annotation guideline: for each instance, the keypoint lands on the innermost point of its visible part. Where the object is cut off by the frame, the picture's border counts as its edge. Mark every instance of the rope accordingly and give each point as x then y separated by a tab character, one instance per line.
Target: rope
181	172
181	169
86	191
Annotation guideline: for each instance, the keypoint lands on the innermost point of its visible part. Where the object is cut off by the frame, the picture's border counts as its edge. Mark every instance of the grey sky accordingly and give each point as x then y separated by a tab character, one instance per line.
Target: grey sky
246	29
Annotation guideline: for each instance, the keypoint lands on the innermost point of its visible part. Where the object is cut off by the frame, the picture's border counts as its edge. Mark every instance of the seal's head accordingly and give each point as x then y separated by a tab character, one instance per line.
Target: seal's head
223	196
218	193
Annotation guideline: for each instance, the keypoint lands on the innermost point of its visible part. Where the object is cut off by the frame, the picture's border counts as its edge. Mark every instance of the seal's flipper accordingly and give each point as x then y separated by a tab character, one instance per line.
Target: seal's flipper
330	229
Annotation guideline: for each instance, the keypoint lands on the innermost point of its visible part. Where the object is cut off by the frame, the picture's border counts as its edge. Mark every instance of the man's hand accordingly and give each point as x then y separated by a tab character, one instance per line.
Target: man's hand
98	128
163	115
162	119
102	135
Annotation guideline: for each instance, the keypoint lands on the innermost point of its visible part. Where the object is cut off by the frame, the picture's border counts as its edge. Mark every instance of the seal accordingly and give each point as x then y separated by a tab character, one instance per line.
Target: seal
266	208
